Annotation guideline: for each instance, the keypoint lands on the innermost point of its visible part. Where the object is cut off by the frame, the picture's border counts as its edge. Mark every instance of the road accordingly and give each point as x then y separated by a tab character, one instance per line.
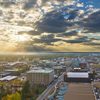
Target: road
45	94
50	87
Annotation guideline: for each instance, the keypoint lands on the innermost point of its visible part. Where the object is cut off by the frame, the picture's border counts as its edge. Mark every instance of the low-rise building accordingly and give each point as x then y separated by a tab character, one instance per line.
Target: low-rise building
13	71
3	74
40	76
8	78
58	70
78	77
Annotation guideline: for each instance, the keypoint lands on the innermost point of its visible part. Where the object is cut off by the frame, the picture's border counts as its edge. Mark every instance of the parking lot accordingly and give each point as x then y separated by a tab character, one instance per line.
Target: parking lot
79	91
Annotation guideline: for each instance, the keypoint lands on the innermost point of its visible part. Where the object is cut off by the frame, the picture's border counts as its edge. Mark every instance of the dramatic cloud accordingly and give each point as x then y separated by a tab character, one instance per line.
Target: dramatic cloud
79	40
47	25
92	23
31	32
29	4
6	3
53	22
47	39
68	34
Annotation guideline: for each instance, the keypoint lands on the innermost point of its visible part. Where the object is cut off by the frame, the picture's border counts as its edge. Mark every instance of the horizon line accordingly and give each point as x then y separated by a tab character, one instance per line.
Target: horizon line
36	53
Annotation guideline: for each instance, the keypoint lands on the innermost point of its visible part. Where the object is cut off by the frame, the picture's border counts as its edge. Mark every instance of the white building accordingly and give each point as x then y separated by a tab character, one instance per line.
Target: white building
77	77
8	78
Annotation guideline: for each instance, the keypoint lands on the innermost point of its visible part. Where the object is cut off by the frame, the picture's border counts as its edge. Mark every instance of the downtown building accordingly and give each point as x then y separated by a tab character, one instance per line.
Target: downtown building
40	76
81	75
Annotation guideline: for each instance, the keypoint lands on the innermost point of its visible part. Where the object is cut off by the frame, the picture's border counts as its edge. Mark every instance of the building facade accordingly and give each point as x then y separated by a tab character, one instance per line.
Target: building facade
40	76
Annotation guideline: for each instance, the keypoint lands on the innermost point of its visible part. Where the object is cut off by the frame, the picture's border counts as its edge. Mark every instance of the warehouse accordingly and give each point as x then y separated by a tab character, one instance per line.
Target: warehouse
77	77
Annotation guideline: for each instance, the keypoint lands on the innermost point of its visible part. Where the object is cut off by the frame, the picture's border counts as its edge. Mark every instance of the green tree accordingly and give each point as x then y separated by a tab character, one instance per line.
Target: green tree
16	96
2	92
94	74
25	91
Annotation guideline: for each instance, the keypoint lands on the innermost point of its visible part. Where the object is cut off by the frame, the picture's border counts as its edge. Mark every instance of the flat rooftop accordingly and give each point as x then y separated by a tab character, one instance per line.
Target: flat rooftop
58	67
8	78
4	73
77	74
40	71
79	91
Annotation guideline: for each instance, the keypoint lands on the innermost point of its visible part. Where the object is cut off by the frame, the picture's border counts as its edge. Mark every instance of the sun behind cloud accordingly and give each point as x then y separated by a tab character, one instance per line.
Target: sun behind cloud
20	38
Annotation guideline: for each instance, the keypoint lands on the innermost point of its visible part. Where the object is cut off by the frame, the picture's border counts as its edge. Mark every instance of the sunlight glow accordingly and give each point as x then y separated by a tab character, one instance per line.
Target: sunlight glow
20	38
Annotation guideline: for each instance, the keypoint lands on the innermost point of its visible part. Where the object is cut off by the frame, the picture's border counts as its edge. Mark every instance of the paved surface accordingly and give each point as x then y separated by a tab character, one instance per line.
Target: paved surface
45	94
79	91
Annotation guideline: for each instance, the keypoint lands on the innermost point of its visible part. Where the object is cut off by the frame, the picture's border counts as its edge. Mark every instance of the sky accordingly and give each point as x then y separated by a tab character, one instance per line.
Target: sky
47	25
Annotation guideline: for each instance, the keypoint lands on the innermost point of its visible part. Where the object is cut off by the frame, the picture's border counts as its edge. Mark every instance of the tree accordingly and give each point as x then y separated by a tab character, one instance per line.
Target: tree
26	90
16	96
9	96
2	92
94	73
